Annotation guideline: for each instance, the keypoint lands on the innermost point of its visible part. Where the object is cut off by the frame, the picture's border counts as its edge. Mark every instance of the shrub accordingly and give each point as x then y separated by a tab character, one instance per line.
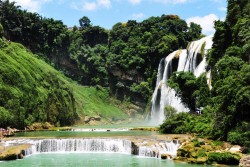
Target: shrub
223	158
176	124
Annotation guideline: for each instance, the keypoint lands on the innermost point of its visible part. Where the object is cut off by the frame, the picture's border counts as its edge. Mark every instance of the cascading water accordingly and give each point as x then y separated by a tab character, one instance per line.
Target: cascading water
192	59
80	145
98	146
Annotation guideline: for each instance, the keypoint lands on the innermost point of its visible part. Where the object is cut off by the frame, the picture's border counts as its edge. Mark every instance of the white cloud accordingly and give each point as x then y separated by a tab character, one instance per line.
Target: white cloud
136	16
90	6
206	22
31	5
172	1
134	2
104	3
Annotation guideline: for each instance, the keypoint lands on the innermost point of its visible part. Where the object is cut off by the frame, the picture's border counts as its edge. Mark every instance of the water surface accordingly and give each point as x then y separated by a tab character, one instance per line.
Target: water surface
73	134
92	160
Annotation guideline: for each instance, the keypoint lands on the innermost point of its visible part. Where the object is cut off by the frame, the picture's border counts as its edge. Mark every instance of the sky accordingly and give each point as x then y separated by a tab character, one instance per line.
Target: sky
106	13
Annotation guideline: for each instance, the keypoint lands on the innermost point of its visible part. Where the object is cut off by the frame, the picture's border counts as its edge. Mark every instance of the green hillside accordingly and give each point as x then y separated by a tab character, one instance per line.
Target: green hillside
33	91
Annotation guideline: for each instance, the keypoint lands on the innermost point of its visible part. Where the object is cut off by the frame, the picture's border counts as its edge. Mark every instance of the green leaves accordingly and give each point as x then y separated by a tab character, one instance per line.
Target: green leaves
185	85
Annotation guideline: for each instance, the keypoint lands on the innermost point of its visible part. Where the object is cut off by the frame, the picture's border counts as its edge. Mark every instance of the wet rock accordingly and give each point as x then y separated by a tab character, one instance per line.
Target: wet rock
166	156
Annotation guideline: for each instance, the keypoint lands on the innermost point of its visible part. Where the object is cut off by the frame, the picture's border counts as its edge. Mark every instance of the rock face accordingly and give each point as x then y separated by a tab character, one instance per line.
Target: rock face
245	161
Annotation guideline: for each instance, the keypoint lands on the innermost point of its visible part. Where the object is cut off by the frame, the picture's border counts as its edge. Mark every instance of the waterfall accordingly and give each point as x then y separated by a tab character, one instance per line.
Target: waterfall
192	59
144	151
157	149
80	145
98	146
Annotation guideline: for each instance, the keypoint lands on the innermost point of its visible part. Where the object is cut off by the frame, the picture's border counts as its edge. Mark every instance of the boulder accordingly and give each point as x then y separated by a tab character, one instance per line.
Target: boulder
245	161
166	156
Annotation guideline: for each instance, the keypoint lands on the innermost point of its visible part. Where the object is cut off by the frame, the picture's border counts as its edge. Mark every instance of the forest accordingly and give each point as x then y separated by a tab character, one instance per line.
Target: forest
124	61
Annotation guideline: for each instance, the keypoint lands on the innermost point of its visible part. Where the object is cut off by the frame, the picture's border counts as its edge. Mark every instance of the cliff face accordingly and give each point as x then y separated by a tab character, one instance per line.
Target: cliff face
120	83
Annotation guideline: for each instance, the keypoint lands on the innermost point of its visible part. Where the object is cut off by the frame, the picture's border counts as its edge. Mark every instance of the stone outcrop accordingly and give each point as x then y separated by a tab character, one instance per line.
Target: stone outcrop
245	161
13	152
204	151
92	120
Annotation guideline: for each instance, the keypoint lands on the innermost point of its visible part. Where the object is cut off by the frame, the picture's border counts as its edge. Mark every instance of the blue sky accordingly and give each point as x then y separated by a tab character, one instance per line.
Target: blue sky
106	13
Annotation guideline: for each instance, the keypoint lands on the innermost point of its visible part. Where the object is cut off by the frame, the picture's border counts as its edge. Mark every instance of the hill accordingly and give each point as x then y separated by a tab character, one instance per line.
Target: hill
33	91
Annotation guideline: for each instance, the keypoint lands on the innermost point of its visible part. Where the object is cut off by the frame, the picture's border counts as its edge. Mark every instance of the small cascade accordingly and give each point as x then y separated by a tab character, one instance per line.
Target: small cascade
157	149
144	151
80	145
192	59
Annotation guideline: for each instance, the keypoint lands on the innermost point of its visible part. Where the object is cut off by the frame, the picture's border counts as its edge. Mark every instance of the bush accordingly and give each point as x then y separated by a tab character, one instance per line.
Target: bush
240	135
223	158
176	124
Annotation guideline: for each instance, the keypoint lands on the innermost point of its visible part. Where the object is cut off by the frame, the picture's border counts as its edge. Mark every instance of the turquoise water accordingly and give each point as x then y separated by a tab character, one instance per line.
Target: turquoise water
91	160
69	134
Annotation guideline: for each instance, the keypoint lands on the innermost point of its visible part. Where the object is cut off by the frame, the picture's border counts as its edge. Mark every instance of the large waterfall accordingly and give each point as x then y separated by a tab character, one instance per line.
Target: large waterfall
192	59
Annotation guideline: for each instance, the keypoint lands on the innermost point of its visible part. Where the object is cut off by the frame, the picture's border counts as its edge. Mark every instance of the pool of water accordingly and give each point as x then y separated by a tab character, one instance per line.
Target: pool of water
92	160
73	134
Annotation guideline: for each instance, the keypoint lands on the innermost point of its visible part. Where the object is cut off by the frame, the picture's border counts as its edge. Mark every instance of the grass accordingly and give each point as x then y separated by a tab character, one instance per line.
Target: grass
27	82
92	102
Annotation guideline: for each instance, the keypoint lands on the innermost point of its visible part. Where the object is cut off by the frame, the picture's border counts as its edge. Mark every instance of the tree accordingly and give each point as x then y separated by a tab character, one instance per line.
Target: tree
194	31
84	22
231	95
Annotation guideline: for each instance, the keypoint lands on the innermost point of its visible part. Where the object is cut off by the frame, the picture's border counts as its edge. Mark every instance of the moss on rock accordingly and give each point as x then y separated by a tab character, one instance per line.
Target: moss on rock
203	151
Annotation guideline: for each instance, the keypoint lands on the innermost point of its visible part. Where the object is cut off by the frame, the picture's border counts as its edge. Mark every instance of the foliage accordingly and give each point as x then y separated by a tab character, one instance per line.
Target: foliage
240	135
32	91
143	88
223	158
188	123
231	95
170	112
176	124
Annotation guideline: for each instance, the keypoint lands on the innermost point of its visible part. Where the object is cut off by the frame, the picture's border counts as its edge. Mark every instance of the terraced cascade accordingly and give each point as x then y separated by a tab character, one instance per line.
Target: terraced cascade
94	145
